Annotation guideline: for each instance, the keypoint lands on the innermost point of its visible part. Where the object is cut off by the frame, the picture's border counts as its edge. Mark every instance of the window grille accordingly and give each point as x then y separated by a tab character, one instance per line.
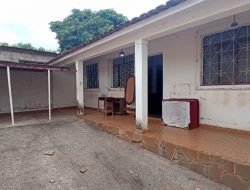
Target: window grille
123	68
92	76
226	57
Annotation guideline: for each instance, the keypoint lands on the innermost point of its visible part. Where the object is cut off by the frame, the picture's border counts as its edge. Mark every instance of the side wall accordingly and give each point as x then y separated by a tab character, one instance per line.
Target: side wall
30	90
64	89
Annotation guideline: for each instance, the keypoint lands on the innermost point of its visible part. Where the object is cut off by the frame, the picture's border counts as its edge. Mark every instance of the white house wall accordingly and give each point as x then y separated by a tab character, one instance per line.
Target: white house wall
91	95
228	107
219	106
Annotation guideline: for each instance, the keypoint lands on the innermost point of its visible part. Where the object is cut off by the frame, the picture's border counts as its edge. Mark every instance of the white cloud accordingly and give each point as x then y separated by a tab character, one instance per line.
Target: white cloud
34	16
8	36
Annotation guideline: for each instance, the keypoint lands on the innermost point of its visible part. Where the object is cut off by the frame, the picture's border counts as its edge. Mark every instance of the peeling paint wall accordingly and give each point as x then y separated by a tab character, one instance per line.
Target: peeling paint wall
29	90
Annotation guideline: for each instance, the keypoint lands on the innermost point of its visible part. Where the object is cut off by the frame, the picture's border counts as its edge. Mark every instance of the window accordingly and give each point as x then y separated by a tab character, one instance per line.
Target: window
123	68
92	76
226	57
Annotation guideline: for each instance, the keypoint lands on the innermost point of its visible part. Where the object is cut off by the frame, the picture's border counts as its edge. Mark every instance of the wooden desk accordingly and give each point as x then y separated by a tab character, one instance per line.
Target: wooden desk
119	105
108	105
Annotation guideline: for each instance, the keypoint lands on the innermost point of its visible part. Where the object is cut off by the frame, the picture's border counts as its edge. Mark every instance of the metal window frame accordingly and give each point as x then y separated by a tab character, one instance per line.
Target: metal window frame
202	55
87	79
112	78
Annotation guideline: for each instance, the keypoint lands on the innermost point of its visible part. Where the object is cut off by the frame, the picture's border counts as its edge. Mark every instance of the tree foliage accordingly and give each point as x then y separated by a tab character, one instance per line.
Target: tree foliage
4	44
24	46
81	26
27	46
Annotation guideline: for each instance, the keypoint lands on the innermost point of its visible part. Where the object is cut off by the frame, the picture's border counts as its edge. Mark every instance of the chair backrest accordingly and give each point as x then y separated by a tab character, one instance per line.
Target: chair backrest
130	90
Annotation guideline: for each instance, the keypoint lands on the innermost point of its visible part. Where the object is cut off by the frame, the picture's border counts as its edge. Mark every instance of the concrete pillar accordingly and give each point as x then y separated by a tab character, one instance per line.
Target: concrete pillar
79	88
141	84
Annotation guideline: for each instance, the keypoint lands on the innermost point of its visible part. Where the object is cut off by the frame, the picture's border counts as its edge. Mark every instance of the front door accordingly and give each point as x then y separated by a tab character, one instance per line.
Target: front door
155	85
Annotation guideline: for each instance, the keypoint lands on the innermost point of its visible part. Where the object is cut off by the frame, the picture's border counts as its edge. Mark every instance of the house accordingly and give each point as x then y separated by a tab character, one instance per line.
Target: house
28	81
183	49
188	46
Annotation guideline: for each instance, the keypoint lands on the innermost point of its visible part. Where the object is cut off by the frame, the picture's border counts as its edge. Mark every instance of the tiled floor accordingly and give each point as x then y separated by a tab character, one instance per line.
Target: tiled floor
231	145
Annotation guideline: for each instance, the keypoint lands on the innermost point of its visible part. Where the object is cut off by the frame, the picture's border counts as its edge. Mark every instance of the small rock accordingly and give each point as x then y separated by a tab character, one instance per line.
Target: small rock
118	180
192	179
131	172
83	170
52	181
50	152
136	177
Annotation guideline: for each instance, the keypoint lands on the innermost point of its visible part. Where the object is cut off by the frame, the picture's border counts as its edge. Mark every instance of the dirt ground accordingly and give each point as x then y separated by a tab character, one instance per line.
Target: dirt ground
111	162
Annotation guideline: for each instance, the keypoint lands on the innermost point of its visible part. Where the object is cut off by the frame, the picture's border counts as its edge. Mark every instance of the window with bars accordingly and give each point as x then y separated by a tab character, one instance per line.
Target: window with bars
92	76
123	68
226	57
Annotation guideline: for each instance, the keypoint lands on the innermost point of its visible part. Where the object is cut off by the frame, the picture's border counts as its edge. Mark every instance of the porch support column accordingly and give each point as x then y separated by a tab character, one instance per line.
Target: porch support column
10	96
49	96
141	84
79	88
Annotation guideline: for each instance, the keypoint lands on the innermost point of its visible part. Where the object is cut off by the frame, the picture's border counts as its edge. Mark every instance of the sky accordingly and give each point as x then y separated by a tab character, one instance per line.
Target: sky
27	20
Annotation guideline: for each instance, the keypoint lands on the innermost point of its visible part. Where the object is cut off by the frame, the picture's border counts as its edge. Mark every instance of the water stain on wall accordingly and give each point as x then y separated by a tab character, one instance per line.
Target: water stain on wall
226	99
242	99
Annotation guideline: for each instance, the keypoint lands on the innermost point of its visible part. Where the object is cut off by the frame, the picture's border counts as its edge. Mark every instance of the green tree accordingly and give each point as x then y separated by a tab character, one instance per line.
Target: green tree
81	26
24	45
4	44
41	49
27	46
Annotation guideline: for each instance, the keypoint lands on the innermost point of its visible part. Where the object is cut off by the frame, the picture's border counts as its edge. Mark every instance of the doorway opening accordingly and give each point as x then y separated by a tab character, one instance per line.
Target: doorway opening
155	85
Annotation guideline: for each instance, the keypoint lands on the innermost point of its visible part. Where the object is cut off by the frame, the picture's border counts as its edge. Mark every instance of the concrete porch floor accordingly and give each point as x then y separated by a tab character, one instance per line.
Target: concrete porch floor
227	144
222	156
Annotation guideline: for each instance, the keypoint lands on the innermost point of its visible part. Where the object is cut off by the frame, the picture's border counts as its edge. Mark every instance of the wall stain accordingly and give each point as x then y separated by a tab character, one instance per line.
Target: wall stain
226	99
242	99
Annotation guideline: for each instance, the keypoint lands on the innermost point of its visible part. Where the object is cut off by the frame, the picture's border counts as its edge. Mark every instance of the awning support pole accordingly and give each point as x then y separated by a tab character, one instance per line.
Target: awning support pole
49	97
10	96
